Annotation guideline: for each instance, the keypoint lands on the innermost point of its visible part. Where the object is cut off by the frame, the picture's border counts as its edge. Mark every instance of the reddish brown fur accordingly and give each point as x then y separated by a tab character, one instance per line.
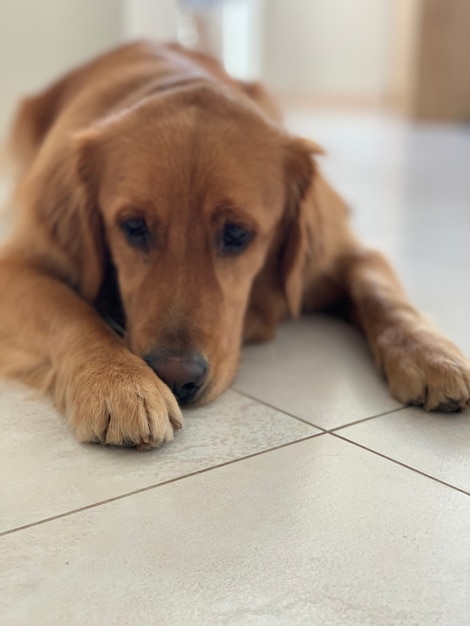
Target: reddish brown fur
164	134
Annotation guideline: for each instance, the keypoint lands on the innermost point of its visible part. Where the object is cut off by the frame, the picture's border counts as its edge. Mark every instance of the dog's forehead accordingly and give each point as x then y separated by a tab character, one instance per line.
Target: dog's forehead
192	133
194	152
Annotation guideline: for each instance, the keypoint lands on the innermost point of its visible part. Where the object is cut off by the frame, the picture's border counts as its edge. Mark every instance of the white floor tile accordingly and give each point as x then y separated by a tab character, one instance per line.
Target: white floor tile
406	183
320	532
319	369
45	472
436	444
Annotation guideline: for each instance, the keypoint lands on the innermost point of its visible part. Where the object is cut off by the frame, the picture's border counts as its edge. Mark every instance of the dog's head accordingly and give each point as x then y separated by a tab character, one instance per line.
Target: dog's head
194	190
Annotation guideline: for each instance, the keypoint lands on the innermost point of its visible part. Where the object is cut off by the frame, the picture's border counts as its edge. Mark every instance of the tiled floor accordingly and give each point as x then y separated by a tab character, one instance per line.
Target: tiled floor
305	495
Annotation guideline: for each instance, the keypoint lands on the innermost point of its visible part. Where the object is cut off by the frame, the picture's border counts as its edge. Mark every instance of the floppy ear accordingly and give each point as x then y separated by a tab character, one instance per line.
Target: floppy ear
67	208
90	224
299	170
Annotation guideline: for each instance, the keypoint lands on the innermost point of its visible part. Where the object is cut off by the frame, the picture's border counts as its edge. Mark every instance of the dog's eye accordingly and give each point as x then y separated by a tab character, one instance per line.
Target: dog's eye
136	231
234	239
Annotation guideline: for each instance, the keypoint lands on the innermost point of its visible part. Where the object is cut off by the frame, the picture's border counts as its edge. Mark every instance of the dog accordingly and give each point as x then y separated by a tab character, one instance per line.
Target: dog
165	218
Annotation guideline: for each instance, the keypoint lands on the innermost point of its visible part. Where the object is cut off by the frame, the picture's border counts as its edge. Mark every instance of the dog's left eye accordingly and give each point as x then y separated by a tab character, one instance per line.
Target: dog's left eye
136	231
234	239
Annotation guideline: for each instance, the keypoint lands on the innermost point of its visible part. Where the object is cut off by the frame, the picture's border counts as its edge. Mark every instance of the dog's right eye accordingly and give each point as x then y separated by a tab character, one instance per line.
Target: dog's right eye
234	239
136	232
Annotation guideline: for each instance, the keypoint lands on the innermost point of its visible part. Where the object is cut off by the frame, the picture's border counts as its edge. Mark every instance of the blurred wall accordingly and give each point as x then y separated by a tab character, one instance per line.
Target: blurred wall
149	18
410	52
39	39
438	76
333	47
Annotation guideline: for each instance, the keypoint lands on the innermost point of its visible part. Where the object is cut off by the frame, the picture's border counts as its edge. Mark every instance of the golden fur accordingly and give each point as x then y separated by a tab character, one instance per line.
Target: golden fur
164	136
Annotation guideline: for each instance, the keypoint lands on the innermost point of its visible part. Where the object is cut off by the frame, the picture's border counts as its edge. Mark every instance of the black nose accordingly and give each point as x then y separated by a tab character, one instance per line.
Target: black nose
185	373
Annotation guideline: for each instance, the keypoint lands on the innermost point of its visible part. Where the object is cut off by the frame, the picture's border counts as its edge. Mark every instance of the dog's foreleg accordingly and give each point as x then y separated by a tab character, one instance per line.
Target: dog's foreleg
422	367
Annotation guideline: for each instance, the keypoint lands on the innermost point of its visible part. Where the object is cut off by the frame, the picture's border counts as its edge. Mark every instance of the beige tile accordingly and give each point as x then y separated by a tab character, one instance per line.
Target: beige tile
319	369
320	532
45	472
434	443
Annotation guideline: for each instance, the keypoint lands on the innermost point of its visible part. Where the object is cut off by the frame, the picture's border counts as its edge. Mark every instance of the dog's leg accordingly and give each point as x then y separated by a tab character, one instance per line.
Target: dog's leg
50	336
422	367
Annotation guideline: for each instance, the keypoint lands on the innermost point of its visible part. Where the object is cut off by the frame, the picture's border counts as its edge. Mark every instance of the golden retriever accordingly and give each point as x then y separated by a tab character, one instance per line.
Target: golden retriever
165	218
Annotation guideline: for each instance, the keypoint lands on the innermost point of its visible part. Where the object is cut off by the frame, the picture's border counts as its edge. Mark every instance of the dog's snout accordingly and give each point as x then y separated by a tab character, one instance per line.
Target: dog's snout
184	373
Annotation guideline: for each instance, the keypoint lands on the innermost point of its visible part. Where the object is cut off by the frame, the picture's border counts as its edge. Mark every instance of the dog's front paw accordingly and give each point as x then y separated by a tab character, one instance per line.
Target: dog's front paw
119	401
425	369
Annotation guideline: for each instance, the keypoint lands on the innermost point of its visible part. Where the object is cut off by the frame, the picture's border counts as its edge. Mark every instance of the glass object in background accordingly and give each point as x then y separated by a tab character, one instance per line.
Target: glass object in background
199	25
231	30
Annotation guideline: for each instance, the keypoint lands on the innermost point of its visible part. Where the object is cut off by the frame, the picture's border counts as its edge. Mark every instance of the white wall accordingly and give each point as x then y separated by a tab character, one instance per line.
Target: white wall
243	29
157	19
39	39
327	46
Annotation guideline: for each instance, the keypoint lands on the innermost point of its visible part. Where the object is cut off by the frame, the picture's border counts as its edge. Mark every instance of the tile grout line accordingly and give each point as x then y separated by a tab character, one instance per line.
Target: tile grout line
366	419
304	421
271	406
155	486
233	461
409	467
